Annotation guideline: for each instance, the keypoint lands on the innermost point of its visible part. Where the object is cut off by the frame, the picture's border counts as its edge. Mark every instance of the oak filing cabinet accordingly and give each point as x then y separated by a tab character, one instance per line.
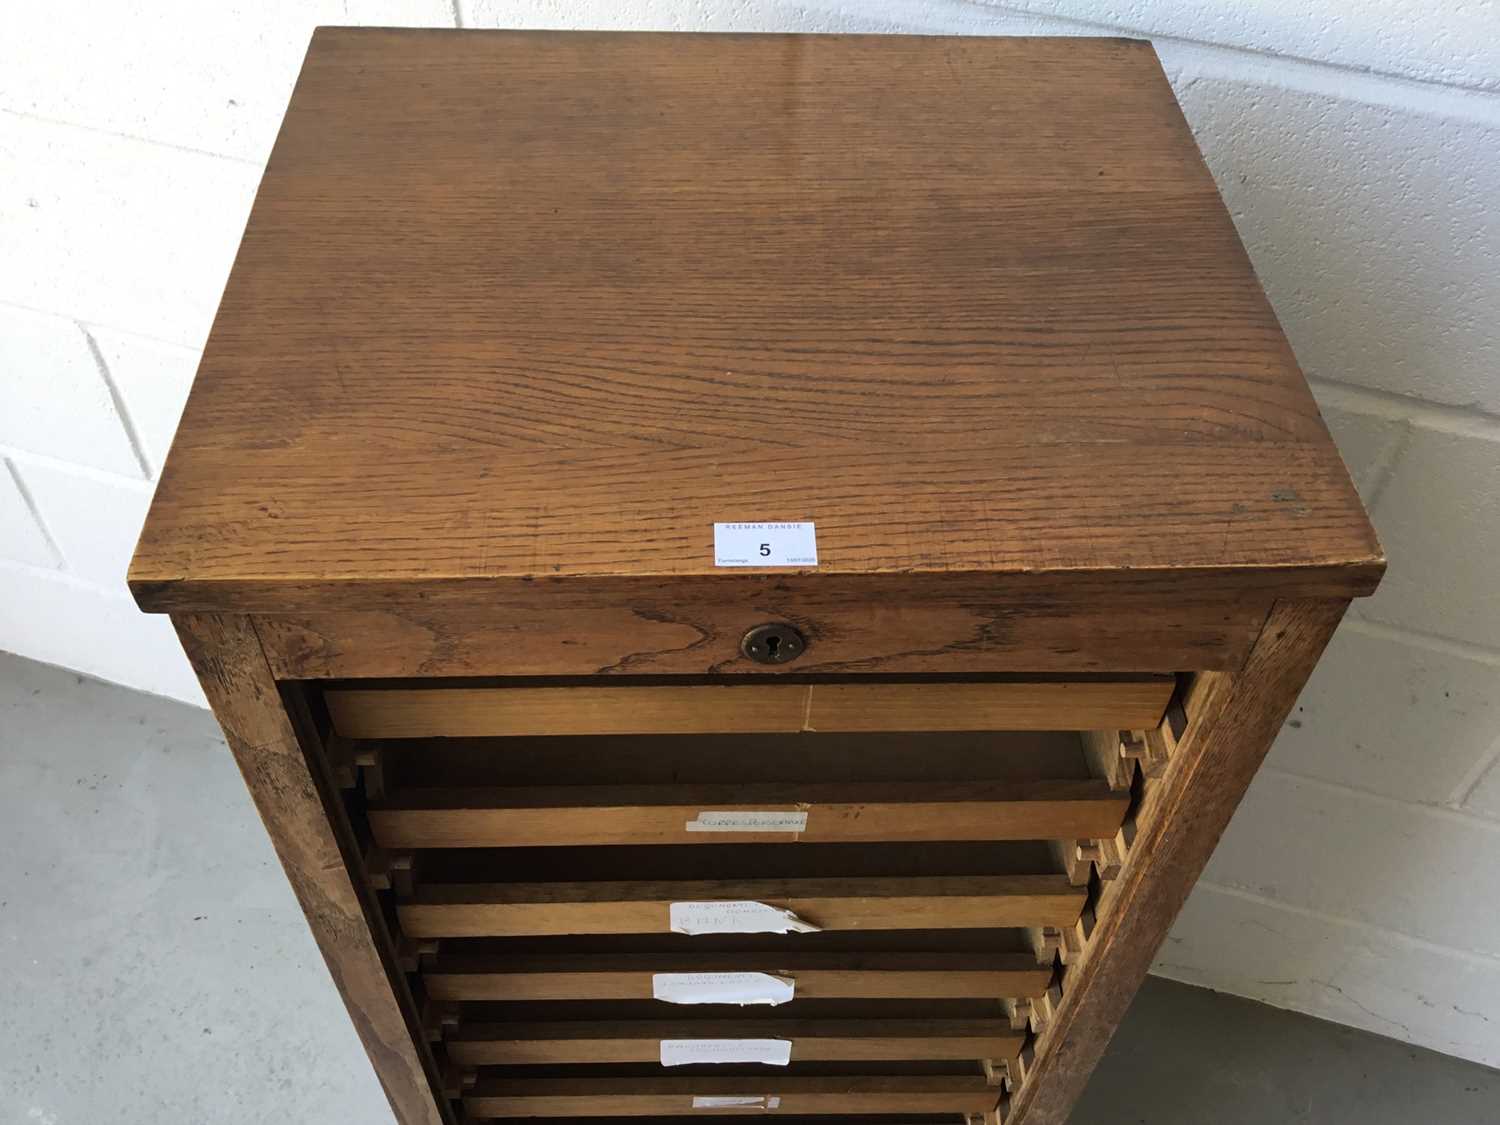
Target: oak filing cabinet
744	575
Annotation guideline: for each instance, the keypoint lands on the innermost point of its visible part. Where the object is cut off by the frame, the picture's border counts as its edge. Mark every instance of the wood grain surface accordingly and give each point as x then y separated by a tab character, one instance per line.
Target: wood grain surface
812	1040
1017	705
514	306
624	907
846	811
818	976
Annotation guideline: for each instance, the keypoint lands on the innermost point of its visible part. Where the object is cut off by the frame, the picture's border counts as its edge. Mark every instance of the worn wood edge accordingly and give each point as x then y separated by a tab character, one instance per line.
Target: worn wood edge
1237	716
232	669
157	591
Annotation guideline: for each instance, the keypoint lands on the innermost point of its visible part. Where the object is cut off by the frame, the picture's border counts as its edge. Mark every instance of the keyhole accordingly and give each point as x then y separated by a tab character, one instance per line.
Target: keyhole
773	643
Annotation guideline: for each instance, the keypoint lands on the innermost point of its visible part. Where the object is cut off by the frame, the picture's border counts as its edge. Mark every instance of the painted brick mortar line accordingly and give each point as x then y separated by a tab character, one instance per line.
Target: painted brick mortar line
91	325
1402	632
65	124
36	514
72	581
122	411
1385	466
88	472
1476	776
1485	960
1470	421
1465	817
1217	60
1465	650
108	326
1341	69
1400	95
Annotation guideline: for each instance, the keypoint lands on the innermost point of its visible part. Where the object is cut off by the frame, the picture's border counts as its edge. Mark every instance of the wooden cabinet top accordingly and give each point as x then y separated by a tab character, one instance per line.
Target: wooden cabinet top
521	307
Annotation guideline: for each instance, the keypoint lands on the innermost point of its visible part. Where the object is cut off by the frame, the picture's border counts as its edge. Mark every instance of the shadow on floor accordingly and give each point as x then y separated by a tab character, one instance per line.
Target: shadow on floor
1188	1056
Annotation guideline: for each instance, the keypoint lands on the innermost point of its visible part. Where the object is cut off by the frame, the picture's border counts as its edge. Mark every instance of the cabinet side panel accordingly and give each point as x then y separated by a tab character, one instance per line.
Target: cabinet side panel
232	668
1232	719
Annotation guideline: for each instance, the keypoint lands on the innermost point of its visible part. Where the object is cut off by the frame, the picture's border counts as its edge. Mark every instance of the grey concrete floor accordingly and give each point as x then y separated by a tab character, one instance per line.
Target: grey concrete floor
156	967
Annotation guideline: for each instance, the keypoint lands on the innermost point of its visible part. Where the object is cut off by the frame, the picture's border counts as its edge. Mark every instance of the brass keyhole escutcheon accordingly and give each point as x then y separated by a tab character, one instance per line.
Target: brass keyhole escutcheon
773	644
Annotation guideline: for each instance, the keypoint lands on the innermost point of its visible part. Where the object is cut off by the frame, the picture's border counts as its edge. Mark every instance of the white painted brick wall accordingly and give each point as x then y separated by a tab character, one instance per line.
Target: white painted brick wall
1439	518
58	402
1443	712
1358	147
1373	227
22	539
209	76
1453	42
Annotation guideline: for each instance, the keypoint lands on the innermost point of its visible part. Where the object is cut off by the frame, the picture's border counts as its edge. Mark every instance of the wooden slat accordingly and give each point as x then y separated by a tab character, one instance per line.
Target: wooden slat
818	976
484	712
1048	705
639	1041
627	1097
852	812
520	909
750	708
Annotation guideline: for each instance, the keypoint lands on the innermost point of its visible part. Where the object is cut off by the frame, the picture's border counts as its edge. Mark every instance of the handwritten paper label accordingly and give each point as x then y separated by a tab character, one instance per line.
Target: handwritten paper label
765	544
681	1052
734	918
749	822
722	988
736	1101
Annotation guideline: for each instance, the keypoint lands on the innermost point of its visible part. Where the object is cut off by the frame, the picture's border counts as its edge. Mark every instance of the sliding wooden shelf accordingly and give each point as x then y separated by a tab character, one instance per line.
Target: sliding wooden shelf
444	712
850	812
523	326
819	976
514	909
893	1040
501	1097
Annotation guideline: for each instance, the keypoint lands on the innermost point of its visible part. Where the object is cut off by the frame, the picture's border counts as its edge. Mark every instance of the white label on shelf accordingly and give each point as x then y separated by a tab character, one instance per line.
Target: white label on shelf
749	822
736	1101
734	918
682	1052
765	544
722	988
